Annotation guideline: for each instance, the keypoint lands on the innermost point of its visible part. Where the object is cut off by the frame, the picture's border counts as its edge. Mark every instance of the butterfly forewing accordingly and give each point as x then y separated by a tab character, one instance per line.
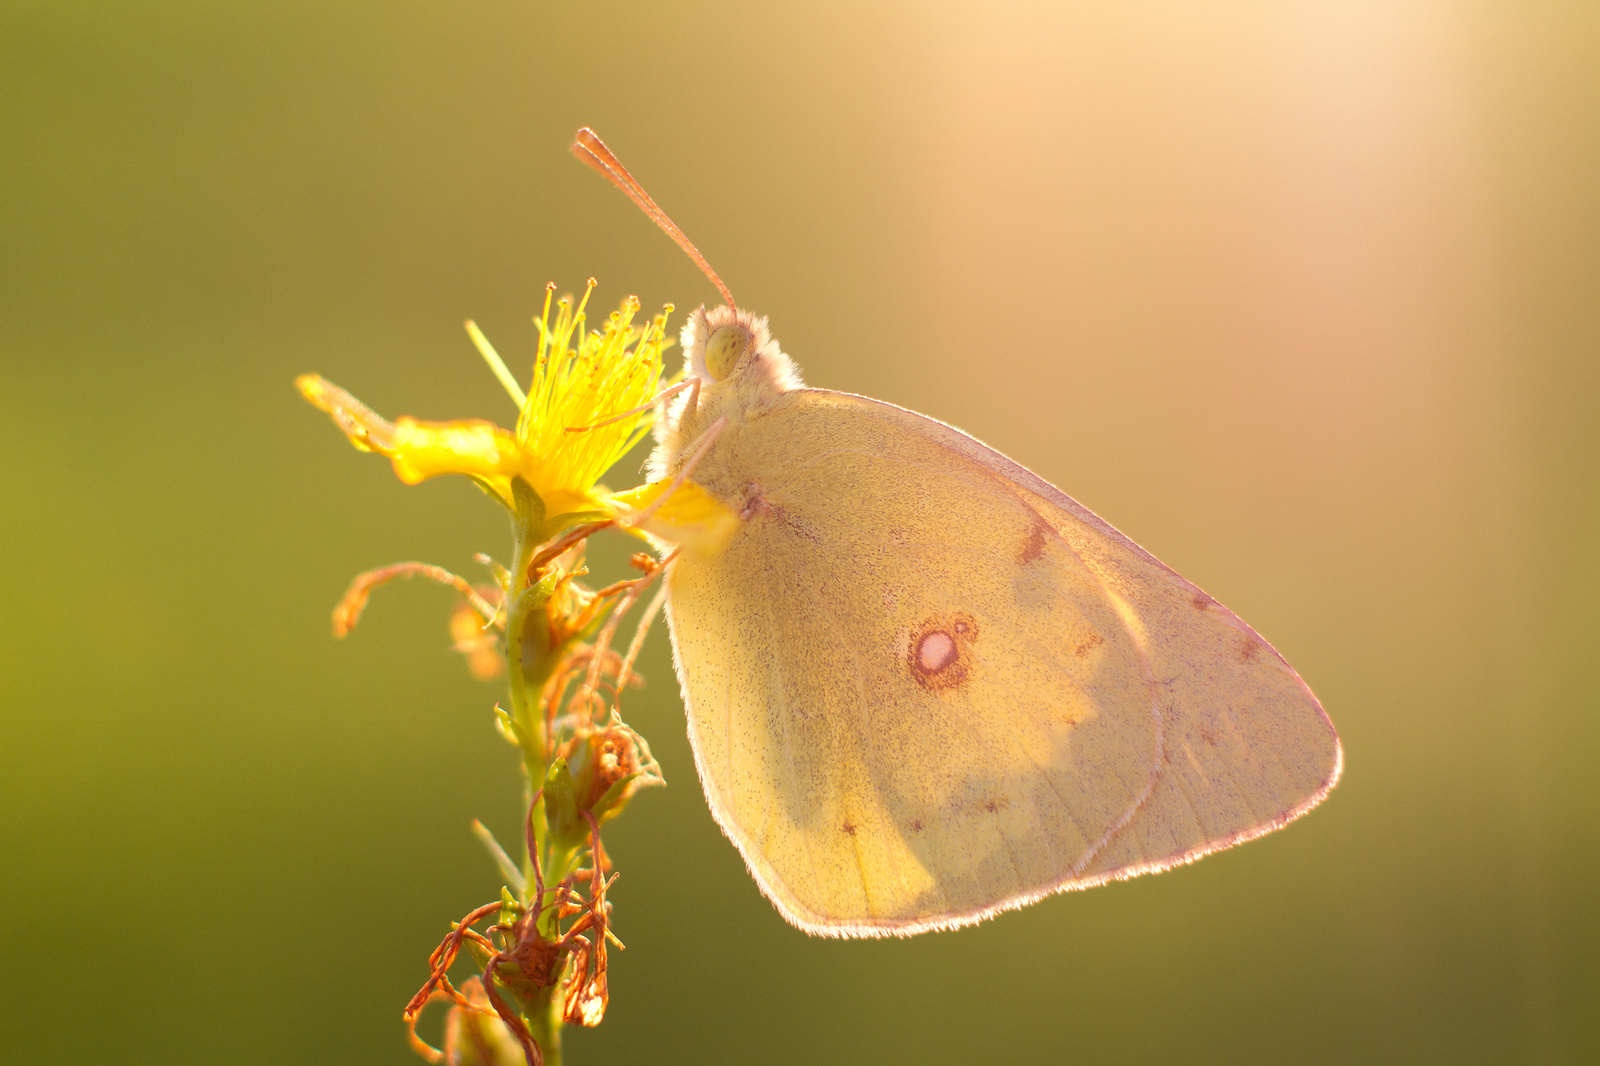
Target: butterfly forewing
923	685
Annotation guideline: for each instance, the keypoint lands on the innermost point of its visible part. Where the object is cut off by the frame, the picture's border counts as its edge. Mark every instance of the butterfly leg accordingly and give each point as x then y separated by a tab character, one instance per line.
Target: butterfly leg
693	384
693	403
697	451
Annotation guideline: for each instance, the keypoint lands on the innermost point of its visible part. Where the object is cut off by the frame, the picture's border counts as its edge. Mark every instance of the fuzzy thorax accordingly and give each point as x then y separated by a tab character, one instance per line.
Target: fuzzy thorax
762	375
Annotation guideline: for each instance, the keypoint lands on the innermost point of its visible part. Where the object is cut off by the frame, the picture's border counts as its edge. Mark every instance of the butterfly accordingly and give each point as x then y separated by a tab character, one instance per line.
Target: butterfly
923	685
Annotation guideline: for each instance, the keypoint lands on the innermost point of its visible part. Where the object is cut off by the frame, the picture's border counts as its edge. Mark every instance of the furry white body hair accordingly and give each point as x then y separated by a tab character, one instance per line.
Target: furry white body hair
762	374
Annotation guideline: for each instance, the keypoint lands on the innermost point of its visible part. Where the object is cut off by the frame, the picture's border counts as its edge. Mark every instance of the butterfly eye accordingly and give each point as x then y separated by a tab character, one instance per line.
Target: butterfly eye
724	349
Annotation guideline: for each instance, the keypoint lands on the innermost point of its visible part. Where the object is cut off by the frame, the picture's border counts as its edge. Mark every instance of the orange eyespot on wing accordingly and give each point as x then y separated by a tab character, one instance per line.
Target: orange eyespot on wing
940	651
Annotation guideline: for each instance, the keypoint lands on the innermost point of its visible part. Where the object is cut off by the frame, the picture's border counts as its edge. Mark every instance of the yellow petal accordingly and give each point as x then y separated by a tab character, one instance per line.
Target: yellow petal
359	422
420	450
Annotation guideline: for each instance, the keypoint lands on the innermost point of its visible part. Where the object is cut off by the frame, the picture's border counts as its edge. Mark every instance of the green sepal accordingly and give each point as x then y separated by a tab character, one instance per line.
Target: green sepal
568	828
611	801
511	908
538	657
538	594
560	523
529	512
489	490
480	954
536	815
507	978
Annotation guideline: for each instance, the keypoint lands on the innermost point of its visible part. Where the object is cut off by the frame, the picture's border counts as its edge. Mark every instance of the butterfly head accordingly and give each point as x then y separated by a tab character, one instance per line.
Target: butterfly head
741	371
735	356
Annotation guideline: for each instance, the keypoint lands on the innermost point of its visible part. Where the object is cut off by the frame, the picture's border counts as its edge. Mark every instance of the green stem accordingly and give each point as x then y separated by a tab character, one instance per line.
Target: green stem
527	524
527	681
544	1022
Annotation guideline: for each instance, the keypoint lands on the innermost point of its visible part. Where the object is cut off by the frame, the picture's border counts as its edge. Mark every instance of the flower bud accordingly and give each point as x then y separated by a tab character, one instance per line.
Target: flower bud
608	766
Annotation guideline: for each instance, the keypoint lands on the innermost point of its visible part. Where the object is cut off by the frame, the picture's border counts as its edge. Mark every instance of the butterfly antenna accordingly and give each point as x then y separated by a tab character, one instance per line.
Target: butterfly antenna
592	150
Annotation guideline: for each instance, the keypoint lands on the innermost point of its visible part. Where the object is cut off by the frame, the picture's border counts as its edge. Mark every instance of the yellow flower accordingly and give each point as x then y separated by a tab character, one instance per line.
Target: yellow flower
589	403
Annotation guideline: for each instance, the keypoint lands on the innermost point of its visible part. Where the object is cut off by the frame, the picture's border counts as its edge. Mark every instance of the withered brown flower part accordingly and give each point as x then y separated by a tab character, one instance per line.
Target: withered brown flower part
474	1035
475	639
609	765
531	953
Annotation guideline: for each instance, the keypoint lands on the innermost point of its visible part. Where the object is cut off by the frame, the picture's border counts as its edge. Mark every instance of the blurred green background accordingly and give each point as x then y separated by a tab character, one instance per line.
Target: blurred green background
1303	297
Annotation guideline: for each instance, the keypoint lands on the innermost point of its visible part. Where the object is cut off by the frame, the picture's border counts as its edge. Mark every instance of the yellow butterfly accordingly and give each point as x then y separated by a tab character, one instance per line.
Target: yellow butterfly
925	686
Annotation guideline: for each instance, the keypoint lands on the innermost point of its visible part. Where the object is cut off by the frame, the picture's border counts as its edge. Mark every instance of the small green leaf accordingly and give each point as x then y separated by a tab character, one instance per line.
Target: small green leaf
507	726
502	861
